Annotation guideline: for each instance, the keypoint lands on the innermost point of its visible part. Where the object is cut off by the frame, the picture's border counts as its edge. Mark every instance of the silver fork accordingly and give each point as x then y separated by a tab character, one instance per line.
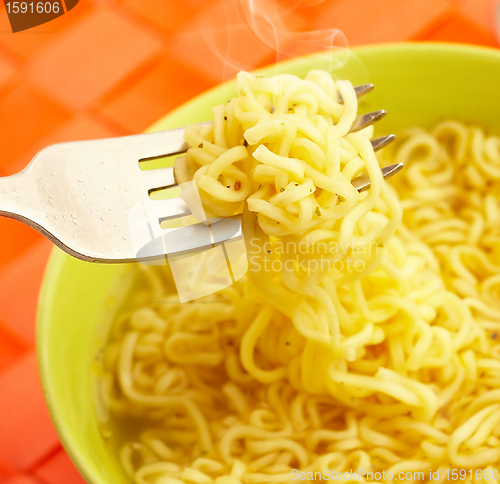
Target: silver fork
80	195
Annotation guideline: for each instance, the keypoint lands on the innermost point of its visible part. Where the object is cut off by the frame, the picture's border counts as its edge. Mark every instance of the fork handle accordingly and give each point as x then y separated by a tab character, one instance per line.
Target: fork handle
19	200
10	196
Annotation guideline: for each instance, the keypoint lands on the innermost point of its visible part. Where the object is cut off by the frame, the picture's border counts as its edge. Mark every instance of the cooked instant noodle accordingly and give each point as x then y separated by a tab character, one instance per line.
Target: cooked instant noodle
376	347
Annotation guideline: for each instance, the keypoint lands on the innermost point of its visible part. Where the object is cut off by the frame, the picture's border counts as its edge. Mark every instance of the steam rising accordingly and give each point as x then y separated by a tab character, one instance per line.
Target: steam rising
267	20
233	28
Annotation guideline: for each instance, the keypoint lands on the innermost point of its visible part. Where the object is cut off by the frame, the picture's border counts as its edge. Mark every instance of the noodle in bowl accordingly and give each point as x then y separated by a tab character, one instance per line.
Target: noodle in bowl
434	380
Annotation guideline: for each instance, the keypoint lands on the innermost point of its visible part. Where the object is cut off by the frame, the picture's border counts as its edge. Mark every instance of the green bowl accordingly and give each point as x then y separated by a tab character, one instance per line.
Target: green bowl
418	83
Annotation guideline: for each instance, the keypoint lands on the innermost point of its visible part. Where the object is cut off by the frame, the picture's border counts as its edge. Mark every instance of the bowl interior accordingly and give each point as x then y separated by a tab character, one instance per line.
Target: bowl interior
417	83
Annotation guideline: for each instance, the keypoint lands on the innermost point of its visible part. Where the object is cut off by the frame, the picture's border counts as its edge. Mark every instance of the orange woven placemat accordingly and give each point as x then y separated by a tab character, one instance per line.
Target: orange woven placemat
110	68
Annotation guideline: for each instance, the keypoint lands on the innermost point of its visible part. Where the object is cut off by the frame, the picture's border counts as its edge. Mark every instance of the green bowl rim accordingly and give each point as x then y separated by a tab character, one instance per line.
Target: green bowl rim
57	257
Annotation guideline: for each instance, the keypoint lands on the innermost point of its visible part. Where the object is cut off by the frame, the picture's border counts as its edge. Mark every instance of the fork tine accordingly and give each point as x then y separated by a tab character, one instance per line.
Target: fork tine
171	142
154	145
200	236
388	171
194	238
156	209
364	120
382	142
360	90
362	182
176	207
363	89
152	180
163	178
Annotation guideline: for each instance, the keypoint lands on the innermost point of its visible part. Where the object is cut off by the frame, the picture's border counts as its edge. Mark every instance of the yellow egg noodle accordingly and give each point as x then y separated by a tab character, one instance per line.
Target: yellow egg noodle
393	365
